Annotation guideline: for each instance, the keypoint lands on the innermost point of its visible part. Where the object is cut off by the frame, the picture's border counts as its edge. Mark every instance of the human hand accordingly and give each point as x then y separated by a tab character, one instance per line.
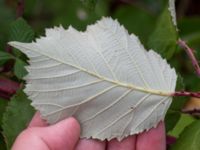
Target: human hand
65	136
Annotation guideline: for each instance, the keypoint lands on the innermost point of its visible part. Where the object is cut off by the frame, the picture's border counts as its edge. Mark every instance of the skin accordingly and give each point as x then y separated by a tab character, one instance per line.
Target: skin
65	136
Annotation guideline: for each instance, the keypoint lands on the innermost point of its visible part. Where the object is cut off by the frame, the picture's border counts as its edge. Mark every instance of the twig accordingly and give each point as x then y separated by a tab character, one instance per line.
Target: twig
8	88
192	112
190	53
20	8
185	93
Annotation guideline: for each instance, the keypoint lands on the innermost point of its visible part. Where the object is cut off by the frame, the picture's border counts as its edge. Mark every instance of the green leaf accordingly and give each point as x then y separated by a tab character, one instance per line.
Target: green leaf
4	57
171	120
163	39
136	20
89	3
189	138
3	104
20	31
19	69
184	121
18	113
2	143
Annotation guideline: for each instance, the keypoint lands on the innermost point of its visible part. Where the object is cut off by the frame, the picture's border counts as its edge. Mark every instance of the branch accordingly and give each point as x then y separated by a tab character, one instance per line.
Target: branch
8	88
185	93
192	112
190	53
20	8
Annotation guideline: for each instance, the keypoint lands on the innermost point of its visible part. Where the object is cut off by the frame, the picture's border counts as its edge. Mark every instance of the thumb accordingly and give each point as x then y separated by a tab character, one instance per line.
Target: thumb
63	135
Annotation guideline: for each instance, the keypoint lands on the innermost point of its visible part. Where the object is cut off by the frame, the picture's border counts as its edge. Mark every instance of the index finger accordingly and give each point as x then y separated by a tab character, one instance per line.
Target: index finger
154	139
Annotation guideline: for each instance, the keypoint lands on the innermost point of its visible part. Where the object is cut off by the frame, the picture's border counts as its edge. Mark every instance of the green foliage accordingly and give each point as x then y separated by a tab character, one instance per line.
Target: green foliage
4	57
164	37
89	3
19	69
21	31
2	142
3	104
17	115
189	138
184	121
136	20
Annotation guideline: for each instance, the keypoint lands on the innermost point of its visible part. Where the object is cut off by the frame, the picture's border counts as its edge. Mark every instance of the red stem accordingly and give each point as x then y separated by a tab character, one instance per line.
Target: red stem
190	53
8	88
185	93
20	8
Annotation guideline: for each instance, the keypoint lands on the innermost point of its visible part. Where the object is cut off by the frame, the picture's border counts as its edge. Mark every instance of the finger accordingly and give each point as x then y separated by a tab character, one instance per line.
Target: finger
91	144
126	144
37	121
154	139
61	136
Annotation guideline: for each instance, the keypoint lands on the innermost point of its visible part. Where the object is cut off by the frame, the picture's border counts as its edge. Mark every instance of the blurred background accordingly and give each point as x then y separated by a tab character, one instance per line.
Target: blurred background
140	17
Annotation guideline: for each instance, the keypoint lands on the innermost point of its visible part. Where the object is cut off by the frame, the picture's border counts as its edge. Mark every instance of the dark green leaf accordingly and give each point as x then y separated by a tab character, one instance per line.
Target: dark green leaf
163	39
2	143
89	3
17	115
171	119
3	104
4	57
189	138
189	25
21	31
19	69
136	21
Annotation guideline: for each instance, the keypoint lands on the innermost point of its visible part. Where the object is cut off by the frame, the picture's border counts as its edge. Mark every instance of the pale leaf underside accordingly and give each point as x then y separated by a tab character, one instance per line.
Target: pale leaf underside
103	77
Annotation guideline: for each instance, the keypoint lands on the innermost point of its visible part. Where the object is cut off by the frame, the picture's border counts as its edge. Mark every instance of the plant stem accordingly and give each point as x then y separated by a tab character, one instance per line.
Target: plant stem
20	8
185	93
190	53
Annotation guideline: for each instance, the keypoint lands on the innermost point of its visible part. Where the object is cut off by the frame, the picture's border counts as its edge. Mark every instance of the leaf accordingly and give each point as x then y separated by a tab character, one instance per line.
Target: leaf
164	37
20	31
15	119
4	57
189	138
19	69
104	77
3	104
184	121
2	143
89	3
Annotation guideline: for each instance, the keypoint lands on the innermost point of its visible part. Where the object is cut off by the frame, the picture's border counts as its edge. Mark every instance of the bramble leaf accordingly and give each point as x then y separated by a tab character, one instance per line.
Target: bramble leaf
16	117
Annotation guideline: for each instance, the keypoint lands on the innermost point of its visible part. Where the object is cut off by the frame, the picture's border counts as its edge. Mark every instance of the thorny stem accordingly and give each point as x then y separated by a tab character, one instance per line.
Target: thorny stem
190	53
192	112
185	93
